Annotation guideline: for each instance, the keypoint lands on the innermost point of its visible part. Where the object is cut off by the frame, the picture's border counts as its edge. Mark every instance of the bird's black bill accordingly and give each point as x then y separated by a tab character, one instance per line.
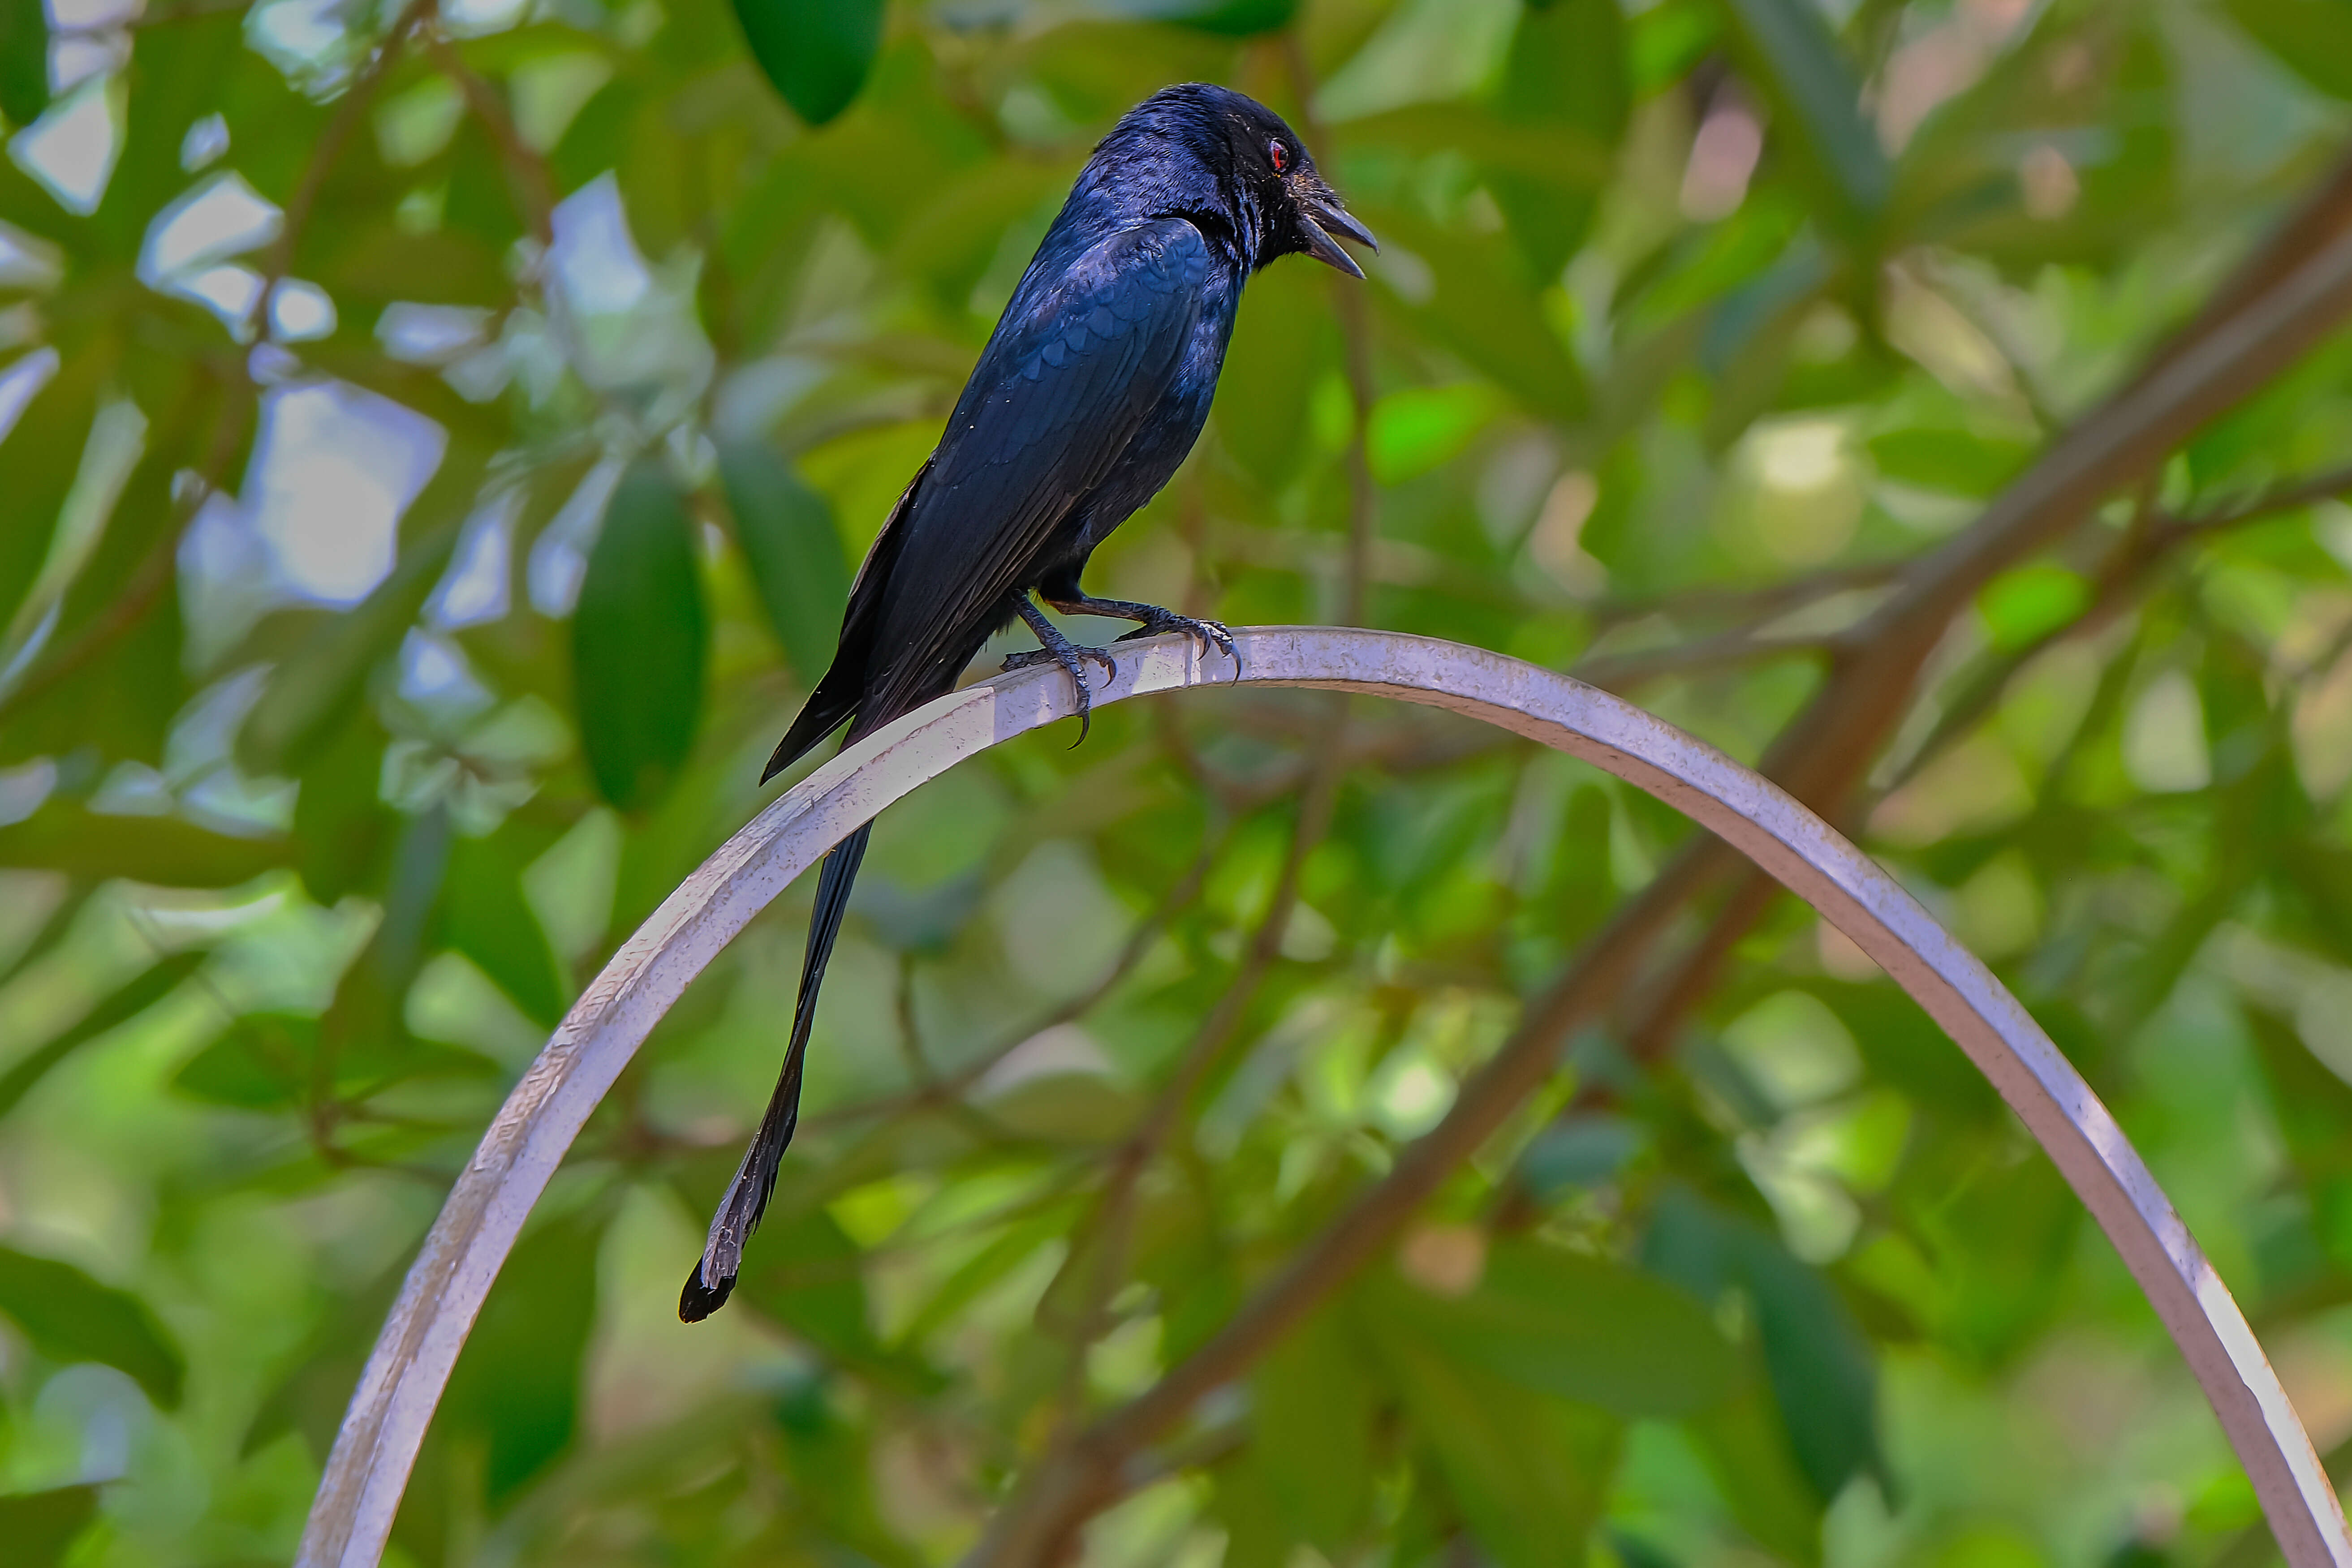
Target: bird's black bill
1325	217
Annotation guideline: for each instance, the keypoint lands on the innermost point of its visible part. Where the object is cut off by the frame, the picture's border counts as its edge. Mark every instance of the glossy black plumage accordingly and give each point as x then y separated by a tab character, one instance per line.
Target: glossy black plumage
1091	391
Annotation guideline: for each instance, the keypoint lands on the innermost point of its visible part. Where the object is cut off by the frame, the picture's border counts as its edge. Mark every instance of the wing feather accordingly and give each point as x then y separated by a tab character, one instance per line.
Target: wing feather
1056	402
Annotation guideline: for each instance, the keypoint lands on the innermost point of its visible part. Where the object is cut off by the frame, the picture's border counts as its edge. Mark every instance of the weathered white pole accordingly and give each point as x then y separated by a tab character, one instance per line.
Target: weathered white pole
373	1452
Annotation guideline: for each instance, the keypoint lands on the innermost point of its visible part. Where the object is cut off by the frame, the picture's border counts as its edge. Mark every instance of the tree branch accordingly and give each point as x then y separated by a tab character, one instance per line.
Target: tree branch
2301	290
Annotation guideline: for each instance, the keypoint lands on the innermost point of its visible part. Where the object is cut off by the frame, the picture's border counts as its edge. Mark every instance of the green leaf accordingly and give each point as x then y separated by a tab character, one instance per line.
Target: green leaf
269	1062
1576	1327
1527	1471
1797	63
1312	1412
1416	429
1820	1365
1566	69
2021	605
1226	18
1480	304
341	828
152	986
2313	1105
485	916
788	538
2312	39
1958	461
1747	1449
163	851
639	640
69	1316
38	1526
1270	372
24	61
816	52
517	1383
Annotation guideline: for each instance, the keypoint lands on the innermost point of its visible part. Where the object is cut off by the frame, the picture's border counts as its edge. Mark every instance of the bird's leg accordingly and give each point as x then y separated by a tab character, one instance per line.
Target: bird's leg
1060	649
1208	633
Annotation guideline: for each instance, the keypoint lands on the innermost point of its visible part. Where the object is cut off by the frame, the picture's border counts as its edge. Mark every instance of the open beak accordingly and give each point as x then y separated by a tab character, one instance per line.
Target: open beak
1325	218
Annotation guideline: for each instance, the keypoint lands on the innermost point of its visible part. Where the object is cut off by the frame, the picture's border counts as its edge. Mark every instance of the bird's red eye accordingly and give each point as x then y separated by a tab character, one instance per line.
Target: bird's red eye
1280	154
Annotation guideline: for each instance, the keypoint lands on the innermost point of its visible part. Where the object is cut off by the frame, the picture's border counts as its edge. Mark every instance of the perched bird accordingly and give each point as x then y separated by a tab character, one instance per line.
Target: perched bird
1091	390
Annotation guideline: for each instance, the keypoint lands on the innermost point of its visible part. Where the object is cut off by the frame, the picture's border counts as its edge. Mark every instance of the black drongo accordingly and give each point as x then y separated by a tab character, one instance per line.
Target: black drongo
1092	389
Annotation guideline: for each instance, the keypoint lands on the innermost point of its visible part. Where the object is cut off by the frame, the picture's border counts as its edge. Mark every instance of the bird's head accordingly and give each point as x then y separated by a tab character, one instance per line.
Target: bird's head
1264	184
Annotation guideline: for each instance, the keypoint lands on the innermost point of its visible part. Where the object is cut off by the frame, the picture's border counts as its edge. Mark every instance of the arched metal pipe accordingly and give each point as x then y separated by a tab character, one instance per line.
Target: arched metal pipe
377	1445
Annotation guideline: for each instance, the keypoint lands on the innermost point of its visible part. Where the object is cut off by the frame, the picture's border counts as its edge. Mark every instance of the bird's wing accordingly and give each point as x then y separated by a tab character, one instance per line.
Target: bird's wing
1062	389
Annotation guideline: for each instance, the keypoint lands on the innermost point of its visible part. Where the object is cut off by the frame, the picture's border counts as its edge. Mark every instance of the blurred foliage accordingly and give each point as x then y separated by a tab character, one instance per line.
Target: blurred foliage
435	443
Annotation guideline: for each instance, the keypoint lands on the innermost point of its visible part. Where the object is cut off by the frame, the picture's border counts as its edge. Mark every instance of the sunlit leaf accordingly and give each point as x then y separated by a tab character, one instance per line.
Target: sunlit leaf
2021	605
149	987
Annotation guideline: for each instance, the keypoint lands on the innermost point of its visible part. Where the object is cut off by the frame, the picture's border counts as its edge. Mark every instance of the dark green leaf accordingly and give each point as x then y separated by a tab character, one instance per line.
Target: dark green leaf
1270	372
1576	1327
2312	38
1312	1408
788	538
639	640
1814	92
69	1316
517	1384
1566	68
816	52
485	916
152	986
38	1526
24	61
1527	1471
270	1062
164	851
1820	1365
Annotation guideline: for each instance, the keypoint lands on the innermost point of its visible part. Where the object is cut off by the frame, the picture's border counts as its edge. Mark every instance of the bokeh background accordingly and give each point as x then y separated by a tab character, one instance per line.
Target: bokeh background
437	443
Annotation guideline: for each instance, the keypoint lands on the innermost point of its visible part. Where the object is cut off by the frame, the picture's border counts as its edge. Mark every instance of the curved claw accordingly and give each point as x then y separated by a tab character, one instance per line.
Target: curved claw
1072	659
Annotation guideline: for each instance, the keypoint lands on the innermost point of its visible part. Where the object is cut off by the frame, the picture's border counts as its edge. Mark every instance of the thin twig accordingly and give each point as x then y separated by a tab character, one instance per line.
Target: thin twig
278	264
143	589
534	183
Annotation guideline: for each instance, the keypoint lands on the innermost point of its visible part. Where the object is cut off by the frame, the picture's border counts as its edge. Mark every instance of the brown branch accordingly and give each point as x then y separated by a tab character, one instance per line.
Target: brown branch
1112	1222
1613	671
2305	291
1755	604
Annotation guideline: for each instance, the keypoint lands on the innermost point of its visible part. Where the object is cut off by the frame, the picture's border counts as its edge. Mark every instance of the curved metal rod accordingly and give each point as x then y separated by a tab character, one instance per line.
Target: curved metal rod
373	1452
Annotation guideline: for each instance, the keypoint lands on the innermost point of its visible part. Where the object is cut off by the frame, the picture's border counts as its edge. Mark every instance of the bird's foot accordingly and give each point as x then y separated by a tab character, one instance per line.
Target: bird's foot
1207	633
1071	657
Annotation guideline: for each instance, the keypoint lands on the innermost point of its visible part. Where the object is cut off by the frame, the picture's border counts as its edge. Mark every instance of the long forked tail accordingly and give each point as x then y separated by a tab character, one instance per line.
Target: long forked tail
713	1278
